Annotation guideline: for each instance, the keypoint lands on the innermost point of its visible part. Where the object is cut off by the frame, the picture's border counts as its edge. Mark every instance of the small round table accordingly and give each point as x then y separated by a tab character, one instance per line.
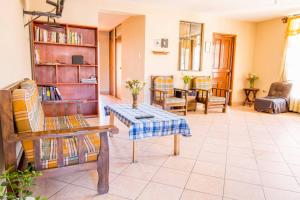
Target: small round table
249	101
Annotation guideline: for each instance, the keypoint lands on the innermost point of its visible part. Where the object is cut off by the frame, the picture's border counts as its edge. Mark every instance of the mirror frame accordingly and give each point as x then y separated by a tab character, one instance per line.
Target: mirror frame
201	48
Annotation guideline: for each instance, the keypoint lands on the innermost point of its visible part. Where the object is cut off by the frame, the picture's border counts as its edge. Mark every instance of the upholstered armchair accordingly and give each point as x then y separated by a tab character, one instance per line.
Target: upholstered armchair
209	96
163	94
277	100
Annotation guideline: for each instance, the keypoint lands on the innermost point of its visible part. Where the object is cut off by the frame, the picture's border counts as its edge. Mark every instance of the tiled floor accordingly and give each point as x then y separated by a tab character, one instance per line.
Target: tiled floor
238	155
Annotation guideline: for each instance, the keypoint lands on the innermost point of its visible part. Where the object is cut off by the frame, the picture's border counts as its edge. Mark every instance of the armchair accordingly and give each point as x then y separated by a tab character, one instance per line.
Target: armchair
277	100
209	96
163	94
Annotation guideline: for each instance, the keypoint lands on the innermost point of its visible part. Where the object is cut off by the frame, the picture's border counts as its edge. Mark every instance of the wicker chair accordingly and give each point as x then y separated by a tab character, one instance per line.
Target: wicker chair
163	94
209	96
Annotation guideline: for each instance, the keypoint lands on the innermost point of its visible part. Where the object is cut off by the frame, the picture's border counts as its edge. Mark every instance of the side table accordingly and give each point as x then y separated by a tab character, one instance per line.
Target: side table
248	100
192	95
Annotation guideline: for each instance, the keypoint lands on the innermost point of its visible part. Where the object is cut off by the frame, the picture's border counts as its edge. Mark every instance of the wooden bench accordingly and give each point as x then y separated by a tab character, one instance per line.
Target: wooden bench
10	136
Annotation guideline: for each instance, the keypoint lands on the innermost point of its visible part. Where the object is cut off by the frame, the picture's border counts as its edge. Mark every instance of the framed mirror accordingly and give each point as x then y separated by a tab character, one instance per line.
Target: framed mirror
190	46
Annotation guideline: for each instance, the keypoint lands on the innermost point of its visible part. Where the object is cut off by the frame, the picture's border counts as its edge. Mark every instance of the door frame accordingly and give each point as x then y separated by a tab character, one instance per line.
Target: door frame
233	36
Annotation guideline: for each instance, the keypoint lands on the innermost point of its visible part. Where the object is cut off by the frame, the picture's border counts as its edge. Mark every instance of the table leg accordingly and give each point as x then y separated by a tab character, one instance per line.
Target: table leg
111	121
133	151
176	144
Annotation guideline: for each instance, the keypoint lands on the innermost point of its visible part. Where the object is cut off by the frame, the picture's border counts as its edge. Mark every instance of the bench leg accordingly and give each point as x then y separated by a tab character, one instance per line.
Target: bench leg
103	165
111	121
176	144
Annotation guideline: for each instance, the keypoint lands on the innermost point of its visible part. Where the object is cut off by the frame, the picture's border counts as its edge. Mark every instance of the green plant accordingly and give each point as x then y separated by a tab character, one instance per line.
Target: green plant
135	86
186	79
18	184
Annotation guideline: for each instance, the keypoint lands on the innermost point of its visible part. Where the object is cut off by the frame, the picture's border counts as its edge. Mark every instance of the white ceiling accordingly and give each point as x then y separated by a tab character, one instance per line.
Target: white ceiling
250	10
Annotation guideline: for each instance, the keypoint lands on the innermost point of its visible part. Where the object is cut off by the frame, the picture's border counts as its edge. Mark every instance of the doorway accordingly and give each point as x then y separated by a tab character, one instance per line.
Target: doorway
115	62
223	61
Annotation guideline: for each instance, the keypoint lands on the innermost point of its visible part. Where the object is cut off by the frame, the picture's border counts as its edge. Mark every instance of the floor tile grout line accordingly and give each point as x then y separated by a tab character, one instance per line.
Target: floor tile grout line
211	121
225	171
287	163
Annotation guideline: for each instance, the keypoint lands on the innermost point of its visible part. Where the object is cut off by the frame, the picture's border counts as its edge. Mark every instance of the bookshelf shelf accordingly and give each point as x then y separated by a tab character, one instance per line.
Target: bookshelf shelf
65	44
53	48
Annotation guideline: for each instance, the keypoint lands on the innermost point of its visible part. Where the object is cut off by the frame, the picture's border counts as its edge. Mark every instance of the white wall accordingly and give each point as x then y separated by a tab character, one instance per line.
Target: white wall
14	43
270	42
104	61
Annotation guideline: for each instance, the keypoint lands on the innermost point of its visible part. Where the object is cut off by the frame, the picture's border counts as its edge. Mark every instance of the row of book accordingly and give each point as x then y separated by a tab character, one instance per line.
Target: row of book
43	35
74	37
49	93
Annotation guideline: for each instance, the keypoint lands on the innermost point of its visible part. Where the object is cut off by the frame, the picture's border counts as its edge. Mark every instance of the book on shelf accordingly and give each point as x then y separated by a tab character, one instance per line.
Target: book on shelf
37	56
74	38
49	93
43	35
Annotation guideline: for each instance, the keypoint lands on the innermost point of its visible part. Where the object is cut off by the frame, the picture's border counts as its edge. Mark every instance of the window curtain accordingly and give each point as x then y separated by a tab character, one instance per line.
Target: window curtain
291	65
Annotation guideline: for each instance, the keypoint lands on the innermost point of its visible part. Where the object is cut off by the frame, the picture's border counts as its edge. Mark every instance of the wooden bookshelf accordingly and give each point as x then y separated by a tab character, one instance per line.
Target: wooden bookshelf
53	66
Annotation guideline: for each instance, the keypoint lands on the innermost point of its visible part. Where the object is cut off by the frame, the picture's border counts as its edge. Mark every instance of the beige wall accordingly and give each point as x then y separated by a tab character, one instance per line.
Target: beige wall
162	22
166	25
270	39
14	43
133	52
104	61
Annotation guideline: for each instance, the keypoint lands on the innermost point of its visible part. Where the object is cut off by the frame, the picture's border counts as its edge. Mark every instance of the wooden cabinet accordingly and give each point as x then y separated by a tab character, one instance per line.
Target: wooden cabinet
53	46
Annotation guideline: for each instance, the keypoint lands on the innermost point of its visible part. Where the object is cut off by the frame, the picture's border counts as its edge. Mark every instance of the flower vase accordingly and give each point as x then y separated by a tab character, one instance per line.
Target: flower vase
251	82
134	101
186	86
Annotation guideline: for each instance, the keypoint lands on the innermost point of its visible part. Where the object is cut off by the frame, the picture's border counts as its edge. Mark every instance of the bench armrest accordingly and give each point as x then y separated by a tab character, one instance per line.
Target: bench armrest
63	133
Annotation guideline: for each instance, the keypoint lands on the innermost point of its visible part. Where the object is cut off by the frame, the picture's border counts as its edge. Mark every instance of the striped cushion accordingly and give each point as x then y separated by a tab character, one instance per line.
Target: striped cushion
29	117
164	83
28	112
49	146
202	82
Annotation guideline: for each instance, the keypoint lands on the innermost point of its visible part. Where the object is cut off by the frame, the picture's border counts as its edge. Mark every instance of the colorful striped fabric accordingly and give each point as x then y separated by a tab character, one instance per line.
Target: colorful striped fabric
164	123
164	83
29	117
202	82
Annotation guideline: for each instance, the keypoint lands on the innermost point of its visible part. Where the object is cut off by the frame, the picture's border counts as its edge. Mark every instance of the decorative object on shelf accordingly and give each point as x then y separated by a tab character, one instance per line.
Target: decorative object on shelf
252	78
186	80
77	59
161	46
90	80
135	86
19	184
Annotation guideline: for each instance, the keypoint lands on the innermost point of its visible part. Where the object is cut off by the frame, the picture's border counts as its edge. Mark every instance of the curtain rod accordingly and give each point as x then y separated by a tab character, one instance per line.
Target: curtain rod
285	19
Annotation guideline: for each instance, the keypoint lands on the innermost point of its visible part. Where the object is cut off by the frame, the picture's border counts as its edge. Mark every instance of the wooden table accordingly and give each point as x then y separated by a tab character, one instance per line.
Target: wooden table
164	123
192	95
248	100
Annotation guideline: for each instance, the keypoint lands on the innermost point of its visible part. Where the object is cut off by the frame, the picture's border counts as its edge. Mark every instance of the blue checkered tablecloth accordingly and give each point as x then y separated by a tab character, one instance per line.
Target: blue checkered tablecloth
164	123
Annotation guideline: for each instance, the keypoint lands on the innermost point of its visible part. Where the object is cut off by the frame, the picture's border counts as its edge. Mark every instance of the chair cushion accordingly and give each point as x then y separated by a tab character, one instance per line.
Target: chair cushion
29	117
49	146
202	82
213	99
28	113
171	100
164	83
280	89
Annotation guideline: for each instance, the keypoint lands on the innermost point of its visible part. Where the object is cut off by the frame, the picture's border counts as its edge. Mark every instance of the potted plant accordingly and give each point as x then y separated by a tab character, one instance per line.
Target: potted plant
186	80
135	86
18	184
252	78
